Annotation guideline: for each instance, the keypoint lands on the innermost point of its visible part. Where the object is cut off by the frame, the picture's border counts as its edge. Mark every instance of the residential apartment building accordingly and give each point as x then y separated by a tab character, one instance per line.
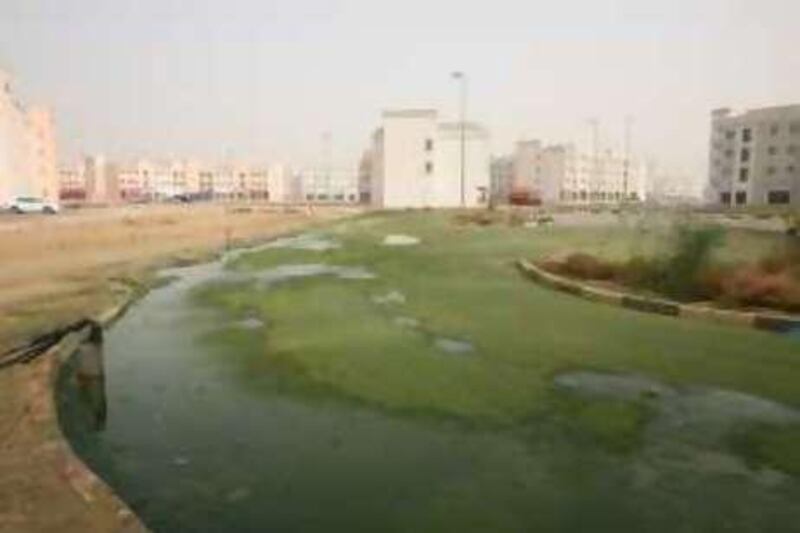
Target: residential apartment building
27	148
416	161
324	185
564	174
754	156
101	181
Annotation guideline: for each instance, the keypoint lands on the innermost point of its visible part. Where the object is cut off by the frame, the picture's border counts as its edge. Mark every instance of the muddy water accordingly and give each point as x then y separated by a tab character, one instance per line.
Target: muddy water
192	443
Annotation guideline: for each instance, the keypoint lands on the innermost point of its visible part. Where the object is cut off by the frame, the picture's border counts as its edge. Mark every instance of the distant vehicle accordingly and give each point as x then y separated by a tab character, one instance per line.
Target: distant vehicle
523	197
181	199
30	204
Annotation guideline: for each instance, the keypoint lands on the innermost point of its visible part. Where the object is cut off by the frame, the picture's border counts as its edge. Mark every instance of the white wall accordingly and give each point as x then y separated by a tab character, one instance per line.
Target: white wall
405	180
409	172
477	167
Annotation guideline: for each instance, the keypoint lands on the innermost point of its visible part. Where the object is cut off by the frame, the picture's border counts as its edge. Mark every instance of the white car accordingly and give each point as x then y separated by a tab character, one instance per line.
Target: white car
30	204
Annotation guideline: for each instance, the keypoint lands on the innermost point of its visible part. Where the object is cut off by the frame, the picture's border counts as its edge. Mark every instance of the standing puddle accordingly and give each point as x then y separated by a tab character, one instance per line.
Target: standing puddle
281	273
305	241
793	333
454	346
690	425
400	240
406	322
391	297
249	323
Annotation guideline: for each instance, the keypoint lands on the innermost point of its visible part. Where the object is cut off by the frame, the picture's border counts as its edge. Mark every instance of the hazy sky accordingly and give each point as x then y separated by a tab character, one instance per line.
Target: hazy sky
263	80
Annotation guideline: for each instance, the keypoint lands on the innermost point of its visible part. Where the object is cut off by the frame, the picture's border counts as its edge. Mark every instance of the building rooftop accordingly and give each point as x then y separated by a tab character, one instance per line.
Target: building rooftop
471	127
409	113
726	112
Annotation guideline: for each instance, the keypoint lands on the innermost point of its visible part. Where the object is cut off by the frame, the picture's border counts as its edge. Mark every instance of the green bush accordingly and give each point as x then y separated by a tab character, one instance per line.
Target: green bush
691	254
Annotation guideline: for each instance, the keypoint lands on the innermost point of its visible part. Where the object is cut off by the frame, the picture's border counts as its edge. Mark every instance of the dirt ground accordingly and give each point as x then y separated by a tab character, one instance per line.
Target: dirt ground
57	269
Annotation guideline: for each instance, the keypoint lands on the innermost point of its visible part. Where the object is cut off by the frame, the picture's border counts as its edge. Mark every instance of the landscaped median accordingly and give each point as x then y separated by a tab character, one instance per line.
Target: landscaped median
770	321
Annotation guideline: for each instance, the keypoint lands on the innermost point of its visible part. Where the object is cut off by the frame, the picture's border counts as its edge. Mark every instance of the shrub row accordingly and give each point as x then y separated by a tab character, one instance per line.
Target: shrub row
689	274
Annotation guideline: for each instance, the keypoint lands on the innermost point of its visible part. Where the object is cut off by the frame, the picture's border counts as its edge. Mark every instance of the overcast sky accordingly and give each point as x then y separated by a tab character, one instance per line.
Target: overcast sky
263	80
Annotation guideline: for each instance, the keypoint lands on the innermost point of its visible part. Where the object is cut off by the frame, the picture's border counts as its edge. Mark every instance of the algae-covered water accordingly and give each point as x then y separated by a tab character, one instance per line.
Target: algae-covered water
202	431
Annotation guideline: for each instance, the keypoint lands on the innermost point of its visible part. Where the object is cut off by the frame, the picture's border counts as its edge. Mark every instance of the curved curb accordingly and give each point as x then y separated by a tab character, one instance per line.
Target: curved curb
72	469
775	322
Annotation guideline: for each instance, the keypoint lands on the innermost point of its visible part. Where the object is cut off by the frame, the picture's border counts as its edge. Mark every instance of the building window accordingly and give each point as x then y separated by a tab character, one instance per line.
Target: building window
428	167
790	169
428	145
772	150
729	153
791	149
778	197
747	135
744	174
794	127
771	171
744	156
725	198
730	134
774	129
741	197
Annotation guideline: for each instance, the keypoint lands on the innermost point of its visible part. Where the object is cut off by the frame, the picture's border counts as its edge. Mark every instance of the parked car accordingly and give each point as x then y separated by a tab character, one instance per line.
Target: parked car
30	204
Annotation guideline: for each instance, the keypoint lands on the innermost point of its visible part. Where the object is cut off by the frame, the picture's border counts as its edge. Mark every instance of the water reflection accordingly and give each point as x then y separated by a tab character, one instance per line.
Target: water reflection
90	380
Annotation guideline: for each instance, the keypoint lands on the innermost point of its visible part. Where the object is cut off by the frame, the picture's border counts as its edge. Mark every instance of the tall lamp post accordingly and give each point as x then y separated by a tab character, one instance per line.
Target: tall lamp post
462	78
627	168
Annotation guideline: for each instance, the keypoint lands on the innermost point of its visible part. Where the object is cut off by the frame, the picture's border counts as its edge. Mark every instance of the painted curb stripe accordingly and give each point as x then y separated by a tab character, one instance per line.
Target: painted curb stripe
763	321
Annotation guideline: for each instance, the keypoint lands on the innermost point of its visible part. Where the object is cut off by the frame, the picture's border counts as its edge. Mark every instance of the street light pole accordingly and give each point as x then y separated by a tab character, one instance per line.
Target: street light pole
462	77
626	170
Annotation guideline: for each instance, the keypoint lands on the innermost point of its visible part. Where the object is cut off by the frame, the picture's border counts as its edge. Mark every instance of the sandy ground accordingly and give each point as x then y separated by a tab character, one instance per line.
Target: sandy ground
57	269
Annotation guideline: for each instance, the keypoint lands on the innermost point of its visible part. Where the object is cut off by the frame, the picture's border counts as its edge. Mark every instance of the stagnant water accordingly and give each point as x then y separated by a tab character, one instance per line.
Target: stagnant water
193	443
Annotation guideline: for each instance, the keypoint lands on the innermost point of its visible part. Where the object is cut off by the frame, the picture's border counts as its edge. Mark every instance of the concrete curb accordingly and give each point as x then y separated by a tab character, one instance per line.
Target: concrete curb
73	470
776	322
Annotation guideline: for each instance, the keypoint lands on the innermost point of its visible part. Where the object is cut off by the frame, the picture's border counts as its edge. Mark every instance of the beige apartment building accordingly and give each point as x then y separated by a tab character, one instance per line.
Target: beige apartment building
754	156
100	181
564	174
27	148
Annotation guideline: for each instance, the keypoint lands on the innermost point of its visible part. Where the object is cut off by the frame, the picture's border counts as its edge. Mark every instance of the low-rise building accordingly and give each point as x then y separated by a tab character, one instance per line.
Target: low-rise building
754	156
334	186
101	181
27	148
564	174
418	161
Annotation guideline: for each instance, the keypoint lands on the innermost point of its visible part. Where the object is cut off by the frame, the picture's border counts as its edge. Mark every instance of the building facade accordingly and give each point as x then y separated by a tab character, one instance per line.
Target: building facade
564	174
754	157
27	148
416	161
502	179
100	181
328	185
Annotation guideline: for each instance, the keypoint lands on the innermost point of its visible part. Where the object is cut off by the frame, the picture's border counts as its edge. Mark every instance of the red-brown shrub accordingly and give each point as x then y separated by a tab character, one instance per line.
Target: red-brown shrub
749	285
587	266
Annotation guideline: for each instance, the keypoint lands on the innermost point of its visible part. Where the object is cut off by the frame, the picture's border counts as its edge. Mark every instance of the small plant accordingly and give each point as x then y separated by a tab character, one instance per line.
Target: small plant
691	255
586	266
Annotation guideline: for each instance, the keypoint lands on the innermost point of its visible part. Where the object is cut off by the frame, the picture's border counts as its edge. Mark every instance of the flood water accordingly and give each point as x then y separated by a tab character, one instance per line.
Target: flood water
195	443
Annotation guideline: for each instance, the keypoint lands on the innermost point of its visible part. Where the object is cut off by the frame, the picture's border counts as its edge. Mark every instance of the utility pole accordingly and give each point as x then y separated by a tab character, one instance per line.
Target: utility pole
462	77
326	164
627	163
594	124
